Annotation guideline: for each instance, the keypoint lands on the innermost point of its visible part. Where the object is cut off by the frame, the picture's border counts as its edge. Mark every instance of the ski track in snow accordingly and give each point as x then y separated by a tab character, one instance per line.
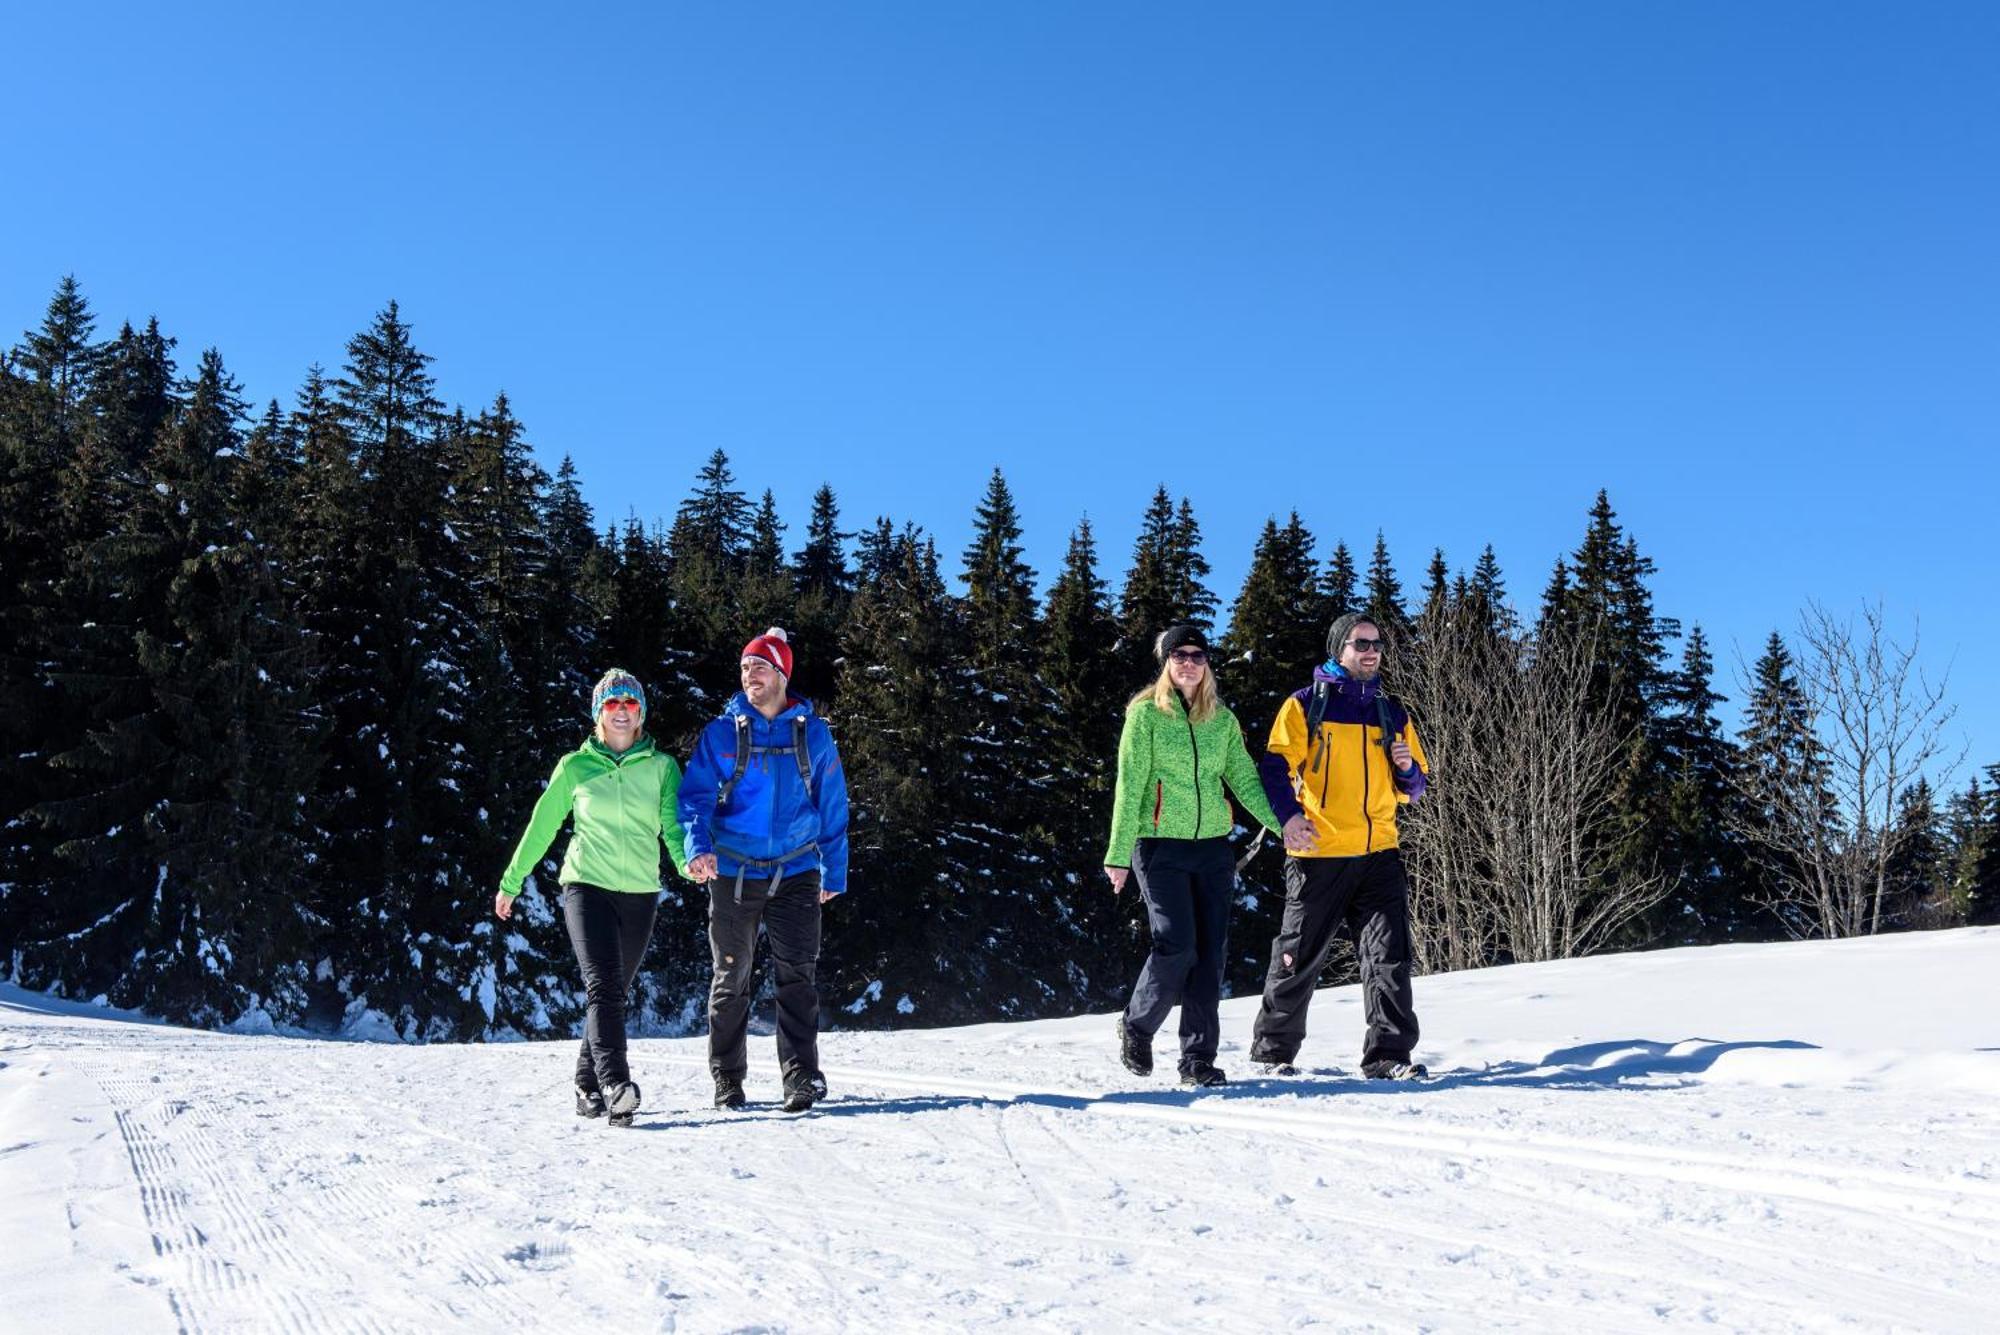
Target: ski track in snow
1554	1172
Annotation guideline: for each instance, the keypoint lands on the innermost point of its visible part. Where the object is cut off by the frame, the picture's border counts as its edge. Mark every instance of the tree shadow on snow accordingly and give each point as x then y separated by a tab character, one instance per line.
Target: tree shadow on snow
1611	1064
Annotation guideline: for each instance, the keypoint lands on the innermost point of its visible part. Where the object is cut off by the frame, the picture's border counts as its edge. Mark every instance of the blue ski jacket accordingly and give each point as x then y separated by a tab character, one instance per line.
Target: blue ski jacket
771	820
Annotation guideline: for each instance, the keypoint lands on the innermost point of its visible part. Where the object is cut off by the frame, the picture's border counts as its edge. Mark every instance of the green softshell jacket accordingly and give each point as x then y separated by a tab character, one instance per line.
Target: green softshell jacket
1170	776
624	807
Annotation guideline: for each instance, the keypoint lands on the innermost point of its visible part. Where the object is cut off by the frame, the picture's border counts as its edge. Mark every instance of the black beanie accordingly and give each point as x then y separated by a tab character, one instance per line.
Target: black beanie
1342	627
1185	635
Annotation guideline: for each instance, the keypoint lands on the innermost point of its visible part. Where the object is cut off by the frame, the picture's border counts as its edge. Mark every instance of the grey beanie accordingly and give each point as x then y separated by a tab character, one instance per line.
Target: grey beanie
1342	627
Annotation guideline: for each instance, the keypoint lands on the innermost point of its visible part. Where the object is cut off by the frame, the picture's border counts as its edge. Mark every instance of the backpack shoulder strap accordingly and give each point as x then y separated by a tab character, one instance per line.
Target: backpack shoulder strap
1316	711
1315	716
804	756
1387	723
742	761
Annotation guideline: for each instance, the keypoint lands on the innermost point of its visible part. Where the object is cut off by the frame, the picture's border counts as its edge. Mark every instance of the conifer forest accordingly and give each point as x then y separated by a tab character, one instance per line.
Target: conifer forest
279	685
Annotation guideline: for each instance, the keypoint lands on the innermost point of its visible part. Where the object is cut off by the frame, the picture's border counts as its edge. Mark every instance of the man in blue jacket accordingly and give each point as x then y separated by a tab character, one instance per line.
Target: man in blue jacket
764	802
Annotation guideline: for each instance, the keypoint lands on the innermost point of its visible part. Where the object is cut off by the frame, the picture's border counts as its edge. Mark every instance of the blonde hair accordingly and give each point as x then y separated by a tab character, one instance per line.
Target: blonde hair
1162	692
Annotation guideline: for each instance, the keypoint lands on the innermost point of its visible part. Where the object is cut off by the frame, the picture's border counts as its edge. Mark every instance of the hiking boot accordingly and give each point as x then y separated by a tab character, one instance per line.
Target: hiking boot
1205	1075
1277	1068
621	1101
589	1102
803	1088
728	1092
1134	1049
1394	1068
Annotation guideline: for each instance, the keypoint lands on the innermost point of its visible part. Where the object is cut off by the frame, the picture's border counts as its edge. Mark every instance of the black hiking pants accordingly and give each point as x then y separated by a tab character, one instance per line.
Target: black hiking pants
791	927
609	929
1187	885
1368	896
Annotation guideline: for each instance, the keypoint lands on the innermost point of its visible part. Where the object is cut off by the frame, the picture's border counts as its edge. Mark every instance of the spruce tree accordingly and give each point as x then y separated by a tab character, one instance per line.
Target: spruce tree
1189	568
824	586
1275	637
1964	815
1340	593
1982	897
409	848
524	679
1486	599
1164	585
572	595
1697	848
1605	595
1782	771
1086	677
707	550
919	954
1384	604
1005	798
47	384
877	554
1919	872
768	595
1555	615
1275	640
1437	585
207	770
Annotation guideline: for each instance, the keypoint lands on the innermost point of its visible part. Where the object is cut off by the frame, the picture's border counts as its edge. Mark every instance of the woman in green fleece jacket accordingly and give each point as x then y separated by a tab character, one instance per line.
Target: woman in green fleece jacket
622	795
1171	824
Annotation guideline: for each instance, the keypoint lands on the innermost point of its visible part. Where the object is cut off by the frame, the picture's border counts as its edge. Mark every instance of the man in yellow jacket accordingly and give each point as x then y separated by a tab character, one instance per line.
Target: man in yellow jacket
1344	752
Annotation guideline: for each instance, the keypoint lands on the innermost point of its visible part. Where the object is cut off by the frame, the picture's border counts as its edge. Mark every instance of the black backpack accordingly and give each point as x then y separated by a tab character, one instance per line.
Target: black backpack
1316	715
744	750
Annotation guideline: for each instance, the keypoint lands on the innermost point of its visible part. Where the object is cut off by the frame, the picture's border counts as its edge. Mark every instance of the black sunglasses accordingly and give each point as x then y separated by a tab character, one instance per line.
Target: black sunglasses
1369	646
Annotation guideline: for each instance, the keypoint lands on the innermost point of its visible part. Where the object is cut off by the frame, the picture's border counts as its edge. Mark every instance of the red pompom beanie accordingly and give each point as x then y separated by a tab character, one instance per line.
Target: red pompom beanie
774	648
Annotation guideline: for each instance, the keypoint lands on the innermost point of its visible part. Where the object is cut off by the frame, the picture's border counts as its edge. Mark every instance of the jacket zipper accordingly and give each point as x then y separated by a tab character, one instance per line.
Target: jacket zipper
1159	800
1194	746
1366	815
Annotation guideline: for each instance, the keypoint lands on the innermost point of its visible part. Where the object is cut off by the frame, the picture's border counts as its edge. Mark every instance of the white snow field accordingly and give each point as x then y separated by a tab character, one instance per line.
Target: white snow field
1777	1137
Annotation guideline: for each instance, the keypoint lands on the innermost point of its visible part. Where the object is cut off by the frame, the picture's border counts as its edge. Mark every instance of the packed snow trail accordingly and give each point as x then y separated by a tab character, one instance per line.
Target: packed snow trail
1758	1137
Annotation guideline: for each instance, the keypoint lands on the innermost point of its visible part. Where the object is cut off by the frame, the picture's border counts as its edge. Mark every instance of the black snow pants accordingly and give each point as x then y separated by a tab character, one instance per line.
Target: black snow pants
791	926
1188	885
1369	896
609	929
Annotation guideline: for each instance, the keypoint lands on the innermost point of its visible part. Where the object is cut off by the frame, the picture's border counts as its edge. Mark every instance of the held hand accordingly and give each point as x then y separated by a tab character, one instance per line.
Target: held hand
1300	837
702	867
503	905
825	895
1401	751
1117	875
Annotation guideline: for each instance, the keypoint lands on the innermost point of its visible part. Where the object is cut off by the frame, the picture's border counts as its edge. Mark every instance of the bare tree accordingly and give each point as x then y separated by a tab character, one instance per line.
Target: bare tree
1824	828
1513	845
1448	679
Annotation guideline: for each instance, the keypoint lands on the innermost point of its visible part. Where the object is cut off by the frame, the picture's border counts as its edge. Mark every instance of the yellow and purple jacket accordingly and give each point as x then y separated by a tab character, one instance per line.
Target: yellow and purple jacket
1342	779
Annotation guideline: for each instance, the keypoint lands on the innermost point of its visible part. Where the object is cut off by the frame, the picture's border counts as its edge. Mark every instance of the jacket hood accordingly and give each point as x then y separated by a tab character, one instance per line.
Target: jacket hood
1345	683
795	706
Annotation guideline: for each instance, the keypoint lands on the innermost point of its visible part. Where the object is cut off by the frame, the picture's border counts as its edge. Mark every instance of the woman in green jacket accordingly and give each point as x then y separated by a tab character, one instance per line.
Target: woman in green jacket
1171	824
621	793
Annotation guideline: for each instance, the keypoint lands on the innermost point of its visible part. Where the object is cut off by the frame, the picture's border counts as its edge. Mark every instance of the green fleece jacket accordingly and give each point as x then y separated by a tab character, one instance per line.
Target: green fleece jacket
1170	776
624	807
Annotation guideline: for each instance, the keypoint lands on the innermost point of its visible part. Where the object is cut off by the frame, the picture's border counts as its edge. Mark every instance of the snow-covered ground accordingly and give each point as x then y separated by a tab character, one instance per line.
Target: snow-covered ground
1751	1137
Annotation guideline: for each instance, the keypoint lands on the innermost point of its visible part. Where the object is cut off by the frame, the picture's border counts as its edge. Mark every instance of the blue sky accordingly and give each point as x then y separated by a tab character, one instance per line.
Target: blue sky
1442	270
